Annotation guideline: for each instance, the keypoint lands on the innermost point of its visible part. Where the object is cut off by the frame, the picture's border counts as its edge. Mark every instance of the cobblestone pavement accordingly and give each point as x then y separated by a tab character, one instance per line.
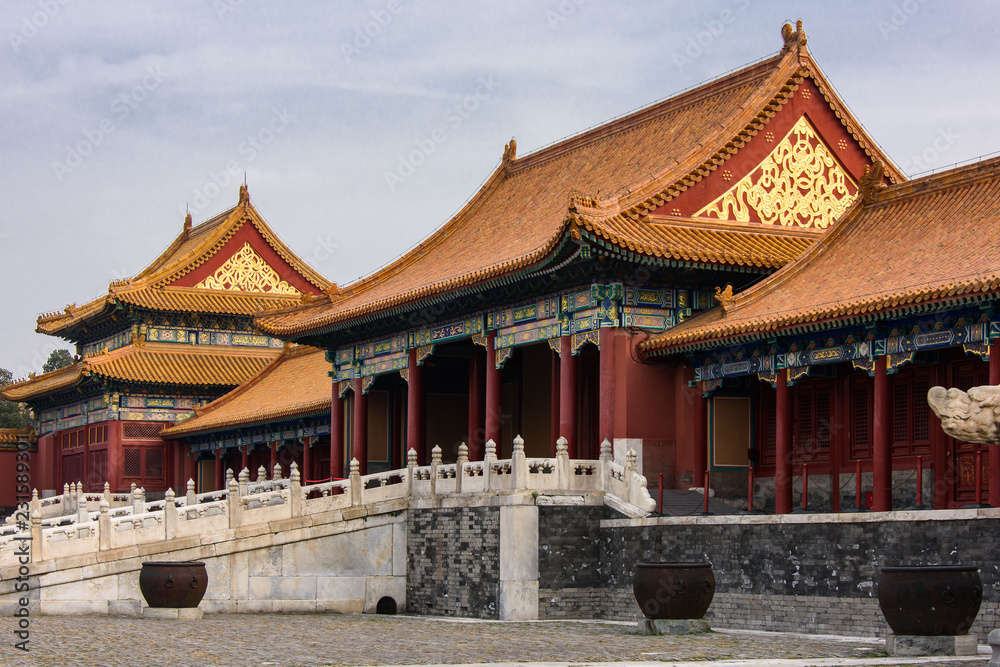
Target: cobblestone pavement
246	640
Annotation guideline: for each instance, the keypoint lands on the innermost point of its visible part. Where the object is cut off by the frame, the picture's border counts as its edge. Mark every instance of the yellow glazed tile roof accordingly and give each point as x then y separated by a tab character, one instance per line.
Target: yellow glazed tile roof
295	383
529	205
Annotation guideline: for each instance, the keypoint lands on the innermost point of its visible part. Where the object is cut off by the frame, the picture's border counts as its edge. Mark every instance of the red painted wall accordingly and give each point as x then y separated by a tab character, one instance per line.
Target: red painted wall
644	407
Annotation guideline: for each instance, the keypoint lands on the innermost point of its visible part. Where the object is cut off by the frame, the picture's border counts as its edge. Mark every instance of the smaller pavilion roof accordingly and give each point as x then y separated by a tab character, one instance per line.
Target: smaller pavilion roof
153	288
12	436
926	241
296	383
152	363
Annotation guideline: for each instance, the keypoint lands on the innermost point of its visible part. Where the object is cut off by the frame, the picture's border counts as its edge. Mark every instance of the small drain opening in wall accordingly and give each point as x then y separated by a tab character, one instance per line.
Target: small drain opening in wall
386	605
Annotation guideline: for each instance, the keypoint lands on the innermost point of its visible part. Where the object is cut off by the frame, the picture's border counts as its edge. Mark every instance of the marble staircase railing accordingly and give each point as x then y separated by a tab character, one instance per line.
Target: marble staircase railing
244	504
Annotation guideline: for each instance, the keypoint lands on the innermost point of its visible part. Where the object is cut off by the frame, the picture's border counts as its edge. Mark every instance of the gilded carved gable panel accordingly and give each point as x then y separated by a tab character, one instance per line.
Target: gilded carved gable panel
246	271
799	184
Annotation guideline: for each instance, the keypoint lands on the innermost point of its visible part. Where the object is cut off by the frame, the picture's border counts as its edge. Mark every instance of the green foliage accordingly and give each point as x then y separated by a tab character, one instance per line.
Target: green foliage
12	415
58	359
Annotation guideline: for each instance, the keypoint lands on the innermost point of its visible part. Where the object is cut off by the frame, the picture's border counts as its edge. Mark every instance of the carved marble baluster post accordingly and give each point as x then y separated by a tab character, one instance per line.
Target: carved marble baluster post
488	459
169	515
190	498
356	487
411	464
104	526
295	489
37	543
463	458
234	504
562	463
519	465
244	480
261	474
435	464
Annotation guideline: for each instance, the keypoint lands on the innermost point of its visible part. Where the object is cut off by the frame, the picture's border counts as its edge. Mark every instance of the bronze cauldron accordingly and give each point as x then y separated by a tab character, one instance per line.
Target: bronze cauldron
177	585
673	590
930	599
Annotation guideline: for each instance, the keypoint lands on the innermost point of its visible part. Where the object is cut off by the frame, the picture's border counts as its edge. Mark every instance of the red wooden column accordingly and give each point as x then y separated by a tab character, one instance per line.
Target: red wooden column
189	469
606	423
360	450
567	394
494	406
220	474
306	472
882	476
244	458
994	496
415	408
554	408
336	432
476	372
274	459
700	458
783	445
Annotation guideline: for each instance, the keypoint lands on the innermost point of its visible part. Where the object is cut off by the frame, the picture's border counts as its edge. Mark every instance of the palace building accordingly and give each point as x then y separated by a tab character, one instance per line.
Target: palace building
522	314
684	281
157	346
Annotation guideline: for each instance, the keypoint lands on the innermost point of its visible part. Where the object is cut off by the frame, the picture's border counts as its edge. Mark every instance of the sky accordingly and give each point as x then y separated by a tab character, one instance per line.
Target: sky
363	126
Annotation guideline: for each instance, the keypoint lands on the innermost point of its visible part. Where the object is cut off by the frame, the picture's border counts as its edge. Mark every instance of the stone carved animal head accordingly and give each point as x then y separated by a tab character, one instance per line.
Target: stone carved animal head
968	416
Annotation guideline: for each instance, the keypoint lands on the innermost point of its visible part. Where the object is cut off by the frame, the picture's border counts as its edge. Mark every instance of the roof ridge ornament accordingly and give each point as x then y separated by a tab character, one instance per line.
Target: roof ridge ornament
725	297
872	182
244	194
509	155
795	38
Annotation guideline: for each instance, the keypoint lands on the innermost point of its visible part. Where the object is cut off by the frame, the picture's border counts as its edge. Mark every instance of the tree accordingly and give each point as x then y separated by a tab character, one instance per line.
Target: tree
12	415
58	359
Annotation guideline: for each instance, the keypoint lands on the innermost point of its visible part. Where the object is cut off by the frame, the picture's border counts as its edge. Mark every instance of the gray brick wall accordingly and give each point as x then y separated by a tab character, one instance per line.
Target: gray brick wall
802	577
453	561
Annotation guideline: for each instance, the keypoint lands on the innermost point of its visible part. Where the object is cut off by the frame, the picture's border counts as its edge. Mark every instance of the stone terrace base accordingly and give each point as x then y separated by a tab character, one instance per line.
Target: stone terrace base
931	645
171	614
673	626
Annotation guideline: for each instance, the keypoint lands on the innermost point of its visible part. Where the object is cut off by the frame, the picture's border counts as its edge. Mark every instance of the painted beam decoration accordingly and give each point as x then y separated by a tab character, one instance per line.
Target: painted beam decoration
302	429
579	313
898	349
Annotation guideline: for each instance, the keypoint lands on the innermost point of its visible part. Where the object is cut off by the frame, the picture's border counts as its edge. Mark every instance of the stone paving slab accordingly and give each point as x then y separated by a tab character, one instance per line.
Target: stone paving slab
318	640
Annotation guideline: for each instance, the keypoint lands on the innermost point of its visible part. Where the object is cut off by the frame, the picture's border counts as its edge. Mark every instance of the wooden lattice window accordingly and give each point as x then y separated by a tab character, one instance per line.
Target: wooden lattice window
911	415
97	435
72	468
154	462
138	431
97	470
811	408
131	462
861	418
73	439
